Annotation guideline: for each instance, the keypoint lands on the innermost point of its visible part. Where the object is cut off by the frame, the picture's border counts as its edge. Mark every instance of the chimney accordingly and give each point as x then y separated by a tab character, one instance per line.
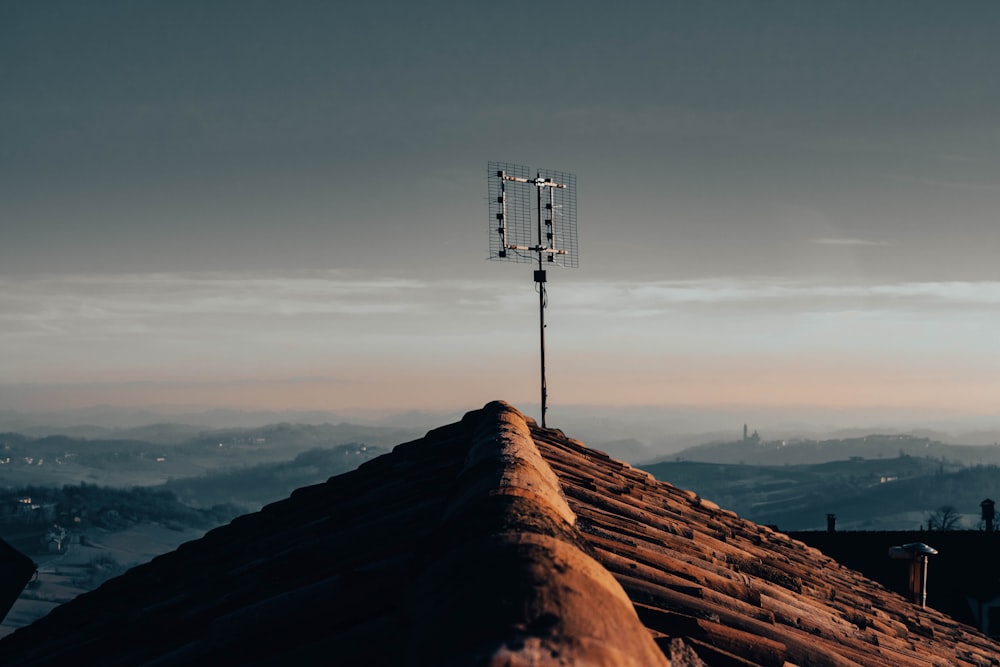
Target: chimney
831	523
916	553
987	506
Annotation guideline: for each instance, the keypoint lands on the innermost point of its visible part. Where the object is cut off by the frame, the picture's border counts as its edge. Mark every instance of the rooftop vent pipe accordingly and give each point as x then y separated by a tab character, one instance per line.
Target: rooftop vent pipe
916	553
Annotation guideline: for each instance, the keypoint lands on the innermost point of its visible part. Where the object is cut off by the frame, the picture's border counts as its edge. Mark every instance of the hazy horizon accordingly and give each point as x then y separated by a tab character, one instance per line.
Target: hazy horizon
661	430
787	209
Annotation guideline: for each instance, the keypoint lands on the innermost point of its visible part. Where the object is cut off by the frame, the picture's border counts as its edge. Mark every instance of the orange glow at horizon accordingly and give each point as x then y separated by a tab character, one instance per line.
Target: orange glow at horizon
695	382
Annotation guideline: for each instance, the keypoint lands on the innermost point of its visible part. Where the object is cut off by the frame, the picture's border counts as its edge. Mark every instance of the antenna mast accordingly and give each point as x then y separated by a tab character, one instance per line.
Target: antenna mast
554	238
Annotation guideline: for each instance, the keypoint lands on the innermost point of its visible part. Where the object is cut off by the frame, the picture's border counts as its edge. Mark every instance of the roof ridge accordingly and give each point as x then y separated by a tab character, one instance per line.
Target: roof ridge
503	460
508	518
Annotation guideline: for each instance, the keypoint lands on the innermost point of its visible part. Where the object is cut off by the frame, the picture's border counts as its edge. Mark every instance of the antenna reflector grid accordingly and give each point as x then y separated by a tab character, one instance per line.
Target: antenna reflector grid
559	218
511	188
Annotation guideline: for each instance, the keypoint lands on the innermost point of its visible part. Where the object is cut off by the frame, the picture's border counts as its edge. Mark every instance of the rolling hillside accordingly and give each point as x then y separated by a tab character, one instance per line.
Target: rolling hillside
897	493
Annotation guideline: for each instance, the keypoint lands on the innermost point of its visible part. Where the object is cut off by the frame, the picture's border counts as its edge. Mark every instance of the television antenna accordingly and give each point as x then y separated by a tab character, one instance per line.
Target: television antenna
551	242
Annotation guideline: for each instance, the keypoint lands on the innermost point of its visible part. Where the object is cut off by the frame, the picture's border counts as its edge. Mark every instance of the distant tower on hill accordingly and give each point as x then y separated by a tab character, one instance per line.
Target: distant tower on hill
747	437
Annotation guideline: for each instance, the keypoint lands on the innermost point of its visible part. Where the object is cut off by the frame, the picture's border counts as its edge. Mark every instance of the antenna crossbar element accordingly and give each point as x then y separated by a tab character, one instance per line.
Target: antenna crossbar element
552	240
538	181
547	183
538	248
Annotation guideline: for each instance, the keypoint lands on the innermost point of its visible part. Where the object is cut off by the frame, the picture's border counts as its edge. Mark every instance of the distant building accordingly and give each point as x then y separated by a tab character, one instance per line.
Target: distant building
747	437
23	505
55	539
27	510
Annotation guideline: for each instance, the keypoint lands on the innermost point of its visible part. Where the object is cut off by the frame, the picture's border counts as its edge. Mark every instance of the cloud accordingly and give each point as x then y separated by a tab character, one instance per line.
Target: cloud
198	336
86	325
849	242
115	300
205	305
296	321
964	185
769	296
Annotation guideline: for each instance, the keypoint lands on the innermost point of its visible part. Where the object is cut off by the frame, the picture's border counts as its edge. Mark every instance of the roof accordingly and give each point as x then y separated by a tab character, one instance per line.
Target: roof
16	570
963	569
492	541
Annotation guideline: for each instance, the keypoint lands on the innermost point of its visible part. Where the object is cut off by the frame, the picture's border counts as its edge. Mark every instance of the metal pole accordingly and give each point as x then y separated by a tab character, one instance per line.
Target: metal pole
541	336
923	580
540	280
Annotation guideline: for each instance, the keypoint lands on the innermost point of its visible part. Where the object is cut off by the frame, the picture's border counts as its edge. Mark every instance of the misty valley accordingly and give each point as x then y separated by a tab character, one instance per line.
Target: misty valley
874	482
86	509
87	506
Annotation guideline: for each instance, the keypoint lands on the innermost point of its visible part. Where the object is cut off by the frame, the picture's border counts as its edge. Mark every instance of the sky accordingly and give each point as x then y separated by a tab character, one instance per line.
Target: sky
782	206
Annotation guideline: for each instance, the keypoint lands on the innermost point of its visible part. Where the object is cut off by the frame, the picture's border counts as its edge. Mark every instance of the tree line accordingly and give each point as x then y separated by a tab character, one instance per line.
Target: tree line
85	505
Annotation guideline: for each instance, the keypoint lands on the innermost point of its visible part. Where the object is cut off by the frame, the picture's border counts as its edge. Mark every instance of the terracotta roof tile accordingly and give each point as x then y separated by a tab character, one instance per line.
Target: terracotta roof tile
492	541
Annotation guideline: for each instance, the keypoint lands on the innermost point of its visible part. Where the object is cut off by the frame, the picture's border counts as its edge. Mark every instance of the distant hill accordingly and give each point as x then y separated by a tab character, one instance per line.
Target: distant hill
251	488
889	493
804	451
126	423
284	436
174	452
101	420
